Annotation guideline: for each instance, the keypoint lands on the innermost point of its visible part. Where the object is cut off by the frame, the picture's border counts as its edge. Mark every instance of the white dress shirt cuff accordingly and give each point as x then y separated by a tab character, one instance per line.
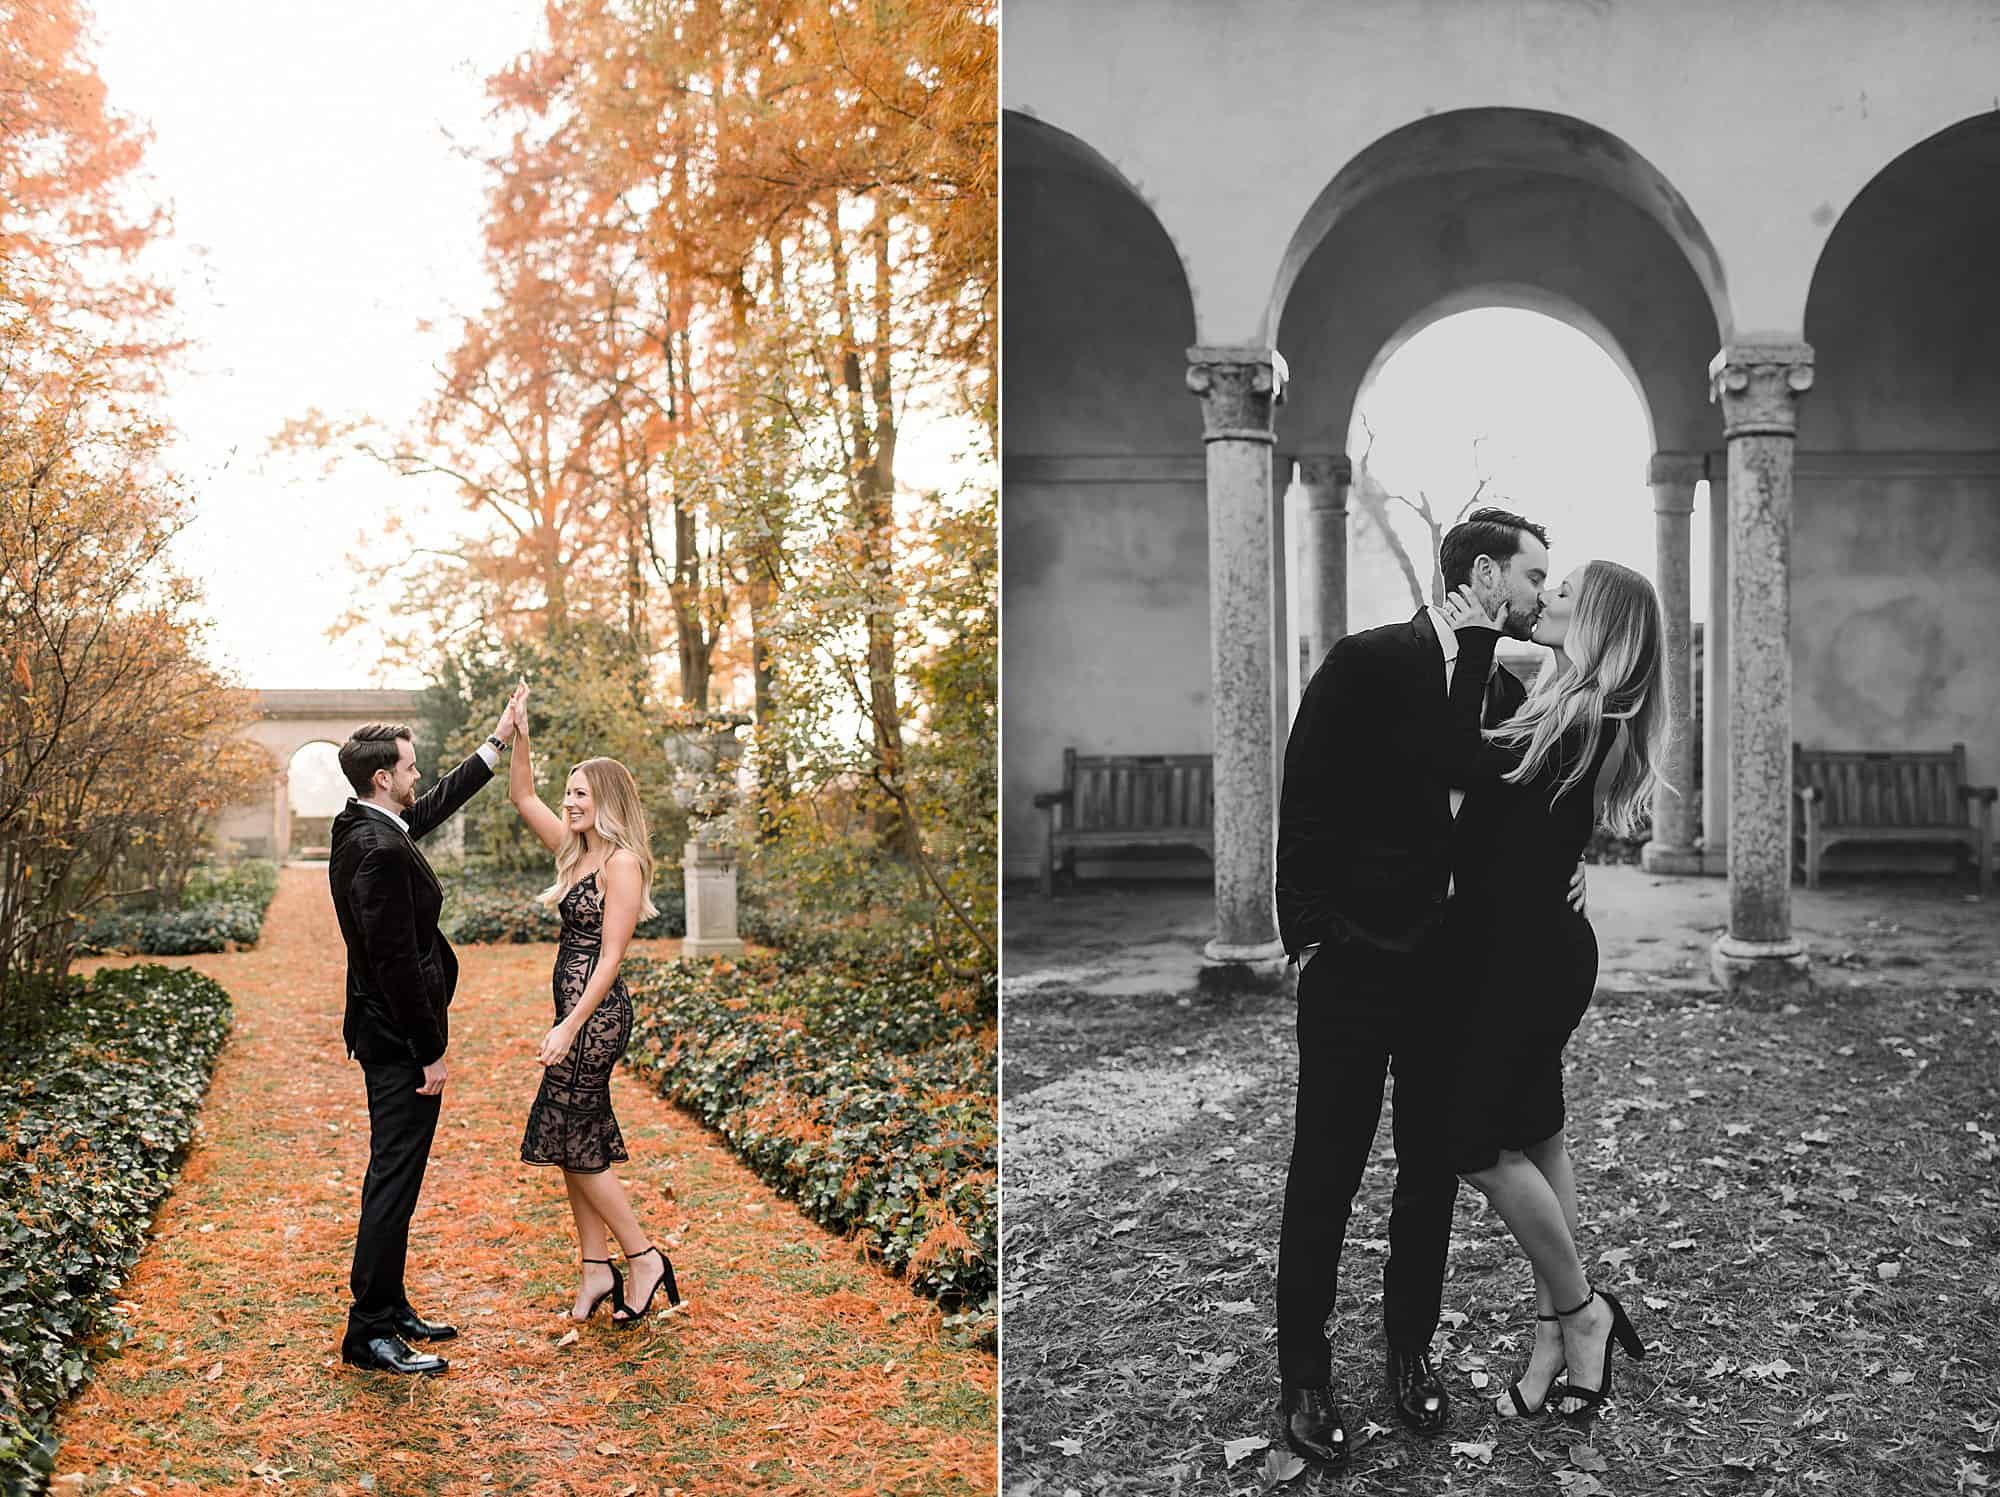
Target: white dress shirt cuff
490	754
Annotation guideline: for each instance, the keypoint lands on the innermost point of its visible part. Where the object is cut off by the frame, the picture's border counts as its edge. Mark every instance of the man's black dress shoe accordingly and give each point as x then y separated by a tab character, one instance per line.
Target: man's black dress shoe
1312	1425
388	1354
1416	1391
413	1327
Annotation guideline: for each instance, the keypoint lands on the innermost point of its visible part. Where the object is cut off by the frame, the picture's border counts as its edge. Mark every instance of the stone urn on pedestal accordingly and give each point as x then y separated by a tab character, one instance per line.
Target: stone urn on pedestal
705	760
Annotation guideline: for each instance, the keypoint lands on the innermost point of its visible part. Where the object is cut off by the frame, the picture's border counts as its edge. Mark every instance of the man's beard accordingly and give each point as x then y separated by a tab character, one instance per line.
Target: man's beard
1521	625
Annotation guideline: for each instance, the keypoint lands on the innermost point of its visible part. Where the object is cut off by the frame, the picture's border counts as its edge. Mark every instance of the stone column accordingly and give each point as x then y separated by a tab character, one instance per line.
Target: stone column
1239	390
1759	384
1715	669
1325	480
1671	849
708	873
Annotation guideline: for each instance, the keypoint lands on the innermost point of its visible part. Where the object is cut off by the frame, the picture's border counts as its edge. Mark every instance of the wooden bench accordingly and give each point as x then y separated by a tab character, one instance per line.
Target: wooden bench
1112	804
1851	796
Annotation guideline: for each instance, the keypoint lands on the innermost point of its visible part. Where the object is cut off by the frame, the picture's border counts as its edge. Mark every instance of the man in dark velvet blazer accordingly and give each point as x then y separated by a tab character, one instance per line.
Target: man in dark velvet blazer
401	974
1364	868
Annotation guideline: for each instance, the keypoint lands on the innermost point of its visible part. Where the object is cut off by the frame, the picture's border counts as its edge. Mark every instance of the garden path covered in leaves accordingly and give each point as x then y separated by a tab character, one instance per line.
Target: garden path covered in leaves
794	1368
1800	1208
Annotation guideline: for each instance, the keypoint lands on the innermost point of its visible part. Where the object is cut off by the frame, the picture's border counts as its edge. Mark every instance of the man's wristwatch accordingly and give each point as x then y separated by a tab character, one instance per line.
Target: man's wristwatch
499	743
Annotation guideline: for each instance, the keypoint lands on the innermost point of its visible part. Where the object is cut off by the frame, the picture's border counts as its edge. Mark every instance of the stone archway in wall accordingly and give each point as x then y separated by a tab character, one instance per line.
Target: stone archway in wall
1105	526
1896	511
1540	212
261	826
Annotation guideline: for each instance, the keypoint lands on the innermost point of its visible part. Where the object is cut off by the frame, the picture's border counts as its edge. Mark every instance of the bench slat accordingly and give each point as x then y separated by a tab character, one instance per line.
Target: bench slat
1879	796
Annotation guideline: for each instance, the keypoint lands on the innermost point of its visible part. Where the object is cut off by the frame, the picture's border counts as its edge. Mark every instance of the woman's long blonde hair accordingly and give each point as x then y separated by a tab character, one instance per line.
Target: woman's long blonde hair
621	821
1616	649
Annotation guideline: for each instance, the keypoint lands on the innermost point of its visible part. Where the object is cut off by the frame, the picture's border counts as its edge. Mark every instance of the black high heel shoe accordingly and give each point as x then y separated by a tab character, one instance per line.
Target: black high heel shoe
1622	1333
616	1293
1521	1408
635	1313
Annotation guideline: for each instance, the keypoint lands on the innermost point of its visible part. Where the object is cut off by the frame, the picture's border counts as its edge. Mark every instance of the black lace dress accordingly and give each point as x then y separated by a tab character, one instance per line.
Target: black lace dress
571	1124
1523	962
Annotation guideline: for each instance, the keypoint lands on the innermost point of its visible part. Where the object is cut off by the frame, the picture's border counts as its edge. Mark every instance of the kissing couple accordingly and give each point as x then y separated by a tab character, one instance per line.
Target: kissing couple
1430	884
401	975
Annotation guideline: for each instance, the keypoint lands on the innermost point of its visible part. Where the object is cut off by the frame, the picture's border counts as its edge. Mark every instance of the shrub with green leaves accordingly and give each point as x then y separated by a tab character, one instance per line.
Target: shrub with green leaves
208	927
222	905
251	881
488	905
866	1095
92	1128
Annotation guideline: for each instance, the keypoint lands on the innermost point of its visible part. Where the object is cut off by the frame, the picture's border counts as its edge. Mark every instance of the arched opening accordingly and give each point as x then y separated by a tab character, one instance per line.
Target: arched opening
1896	515
1454	414
315	790
1105	527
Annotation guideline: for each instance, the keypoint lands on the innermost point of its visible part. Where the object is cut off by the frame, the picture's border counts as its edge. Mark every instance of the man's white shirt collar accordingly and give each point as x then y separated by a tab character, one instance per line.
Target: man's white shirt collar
401	825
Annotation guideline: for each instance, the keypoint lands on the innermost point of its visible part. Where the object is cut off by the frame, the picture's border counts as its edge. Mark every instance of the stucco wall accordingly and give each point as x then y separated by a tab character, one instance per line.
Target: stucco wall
1896	521
1895	599
1105	525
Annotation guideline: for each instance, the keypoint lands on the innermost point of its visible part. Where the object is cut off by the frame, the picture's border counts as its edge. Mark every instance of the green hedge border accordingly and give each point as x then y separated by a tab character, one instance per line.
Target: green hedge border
858	1094
95	1124
226	907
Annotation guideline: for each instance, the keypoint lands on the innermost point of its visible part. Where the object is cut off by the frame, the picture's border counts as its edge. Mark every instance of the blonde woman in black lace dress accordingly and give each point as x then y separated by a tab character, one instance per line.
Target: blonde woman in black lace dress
604	868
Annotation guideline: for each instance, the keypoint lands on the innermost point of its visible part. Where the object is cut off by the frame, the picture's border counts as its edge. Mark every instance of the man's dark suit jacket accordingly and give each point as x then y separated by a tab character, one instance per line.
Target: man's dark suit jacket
1364	815
401	972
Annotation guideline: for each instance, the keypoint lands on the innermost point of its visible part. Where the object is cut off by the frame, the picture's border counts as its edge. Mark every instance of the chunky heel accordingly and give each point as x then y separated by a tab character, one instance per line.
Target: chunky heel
1622	1334
635	1313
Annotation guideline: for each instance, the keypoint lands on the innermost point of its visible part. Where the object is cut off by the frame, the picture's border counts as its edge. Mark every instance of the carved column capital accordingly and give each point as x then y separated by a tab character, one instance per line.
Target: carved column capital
1759	385
1326	478
1240	389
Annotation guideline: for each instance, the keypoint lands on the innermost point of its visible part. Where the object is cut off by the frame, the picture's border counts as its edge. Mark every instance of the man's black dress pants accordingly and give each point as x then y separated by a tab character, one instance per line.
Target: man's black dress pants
1364	1013
400	1127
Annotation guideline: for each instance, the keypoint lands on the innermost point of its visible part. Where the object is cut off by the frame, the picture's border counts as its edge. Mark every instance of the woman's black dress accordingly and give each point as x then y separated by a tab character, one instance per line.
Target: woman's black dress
571	1124
1524	961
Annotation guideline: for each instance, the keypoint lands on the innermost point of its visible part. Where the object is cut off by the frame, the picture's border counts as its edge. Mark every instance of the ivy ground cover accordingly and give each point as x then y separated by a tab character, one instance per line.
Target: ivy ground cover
92	1123
796	1368
860	1091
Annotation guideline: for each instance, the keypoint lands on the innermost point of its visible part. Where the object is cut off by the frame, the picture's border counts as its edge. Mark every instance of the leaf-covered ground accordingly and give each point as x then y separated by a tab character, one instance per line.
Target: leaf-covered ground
795	1369
1801	1209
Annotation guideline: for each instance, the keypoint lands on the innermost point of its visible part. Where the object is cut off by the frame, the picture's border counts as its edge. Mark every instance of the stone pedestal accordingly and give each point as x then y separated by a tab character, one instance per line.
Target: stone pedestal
1715	681
709	870
1239	389
1323	557
1759	383
1671	848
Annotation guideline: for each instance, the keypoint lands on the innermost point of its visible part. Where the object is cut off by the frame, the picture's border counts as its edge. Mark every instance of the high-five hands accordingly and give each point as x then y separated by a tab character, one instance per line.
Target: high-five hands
1463	611
517	707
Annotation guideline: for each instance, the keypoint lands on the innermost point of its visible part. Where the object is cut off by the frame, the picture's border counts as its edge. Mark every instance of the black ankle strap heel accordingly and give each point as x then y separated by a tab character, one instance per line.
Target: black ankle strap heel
633	1314
1622	1333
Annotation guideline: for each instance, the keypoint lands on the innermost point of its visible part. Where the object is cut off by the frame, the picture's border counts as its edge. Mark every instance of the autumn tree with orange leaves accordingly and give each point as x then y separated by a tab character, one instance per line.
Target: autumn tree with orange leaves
118	742
733	250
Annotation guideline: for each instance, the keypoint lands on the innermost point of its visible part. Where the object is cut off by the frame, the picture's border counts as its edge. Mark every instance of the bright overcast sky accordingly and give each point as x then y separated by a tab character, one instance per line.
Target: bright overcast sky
1566	444
320	213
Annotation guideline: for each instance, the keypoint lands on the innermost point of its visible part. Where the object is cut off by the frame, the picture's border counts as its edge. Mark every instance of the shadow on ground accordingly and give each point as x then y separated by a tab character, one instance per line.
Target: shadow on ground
1801	1208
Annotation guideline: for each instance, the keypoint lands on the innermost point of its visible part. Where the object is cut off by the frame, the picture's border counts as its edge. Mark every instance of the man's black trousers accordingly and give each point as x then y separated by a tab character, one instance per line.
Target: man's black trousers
400	1127
1364	1012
